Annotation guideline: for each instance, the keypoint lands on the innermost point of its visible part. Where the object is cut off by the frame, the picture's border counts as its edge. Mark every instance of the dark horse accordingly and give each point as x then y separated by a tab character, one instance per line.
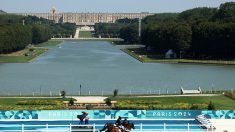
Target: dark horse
111	127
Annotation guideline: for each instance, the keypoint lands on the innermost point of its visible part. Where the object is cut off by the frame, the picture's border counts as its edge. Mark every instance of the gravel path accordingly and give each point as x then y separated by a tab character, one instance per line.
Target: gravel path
90	99
187	95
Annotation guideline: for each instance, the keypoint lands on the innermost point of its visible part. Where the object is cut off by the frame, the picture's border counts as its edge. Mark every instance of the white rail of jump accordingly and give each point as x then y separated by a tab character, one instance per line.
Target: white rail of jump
93	128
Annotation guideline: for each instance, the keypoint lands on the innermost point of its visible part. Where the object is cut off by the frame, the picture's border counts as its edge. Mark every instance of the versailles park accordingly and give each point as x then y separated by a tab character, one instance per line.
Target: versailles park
117	66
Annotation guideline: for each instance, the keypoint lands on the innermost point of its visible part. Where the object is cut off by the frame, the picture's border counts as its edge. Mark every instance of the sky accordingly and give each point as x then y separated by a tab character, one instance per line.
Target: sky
153	6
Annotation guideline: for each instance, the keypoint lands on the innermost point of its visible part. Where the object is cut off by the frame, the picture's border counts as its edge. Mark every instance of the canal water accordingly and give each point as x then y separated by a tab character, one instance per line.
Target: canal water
100	67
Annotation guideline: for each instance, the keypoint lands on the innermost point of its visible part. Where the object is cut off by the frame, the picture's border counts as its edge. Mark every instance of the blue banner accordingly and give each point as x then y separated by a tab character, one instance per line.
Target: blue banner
114	114
171	114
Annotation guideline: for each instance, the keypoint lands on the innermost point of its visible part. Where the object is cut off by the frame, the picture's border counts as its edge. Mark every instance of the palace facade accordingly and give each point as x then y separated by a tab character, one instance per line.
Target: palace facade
86	18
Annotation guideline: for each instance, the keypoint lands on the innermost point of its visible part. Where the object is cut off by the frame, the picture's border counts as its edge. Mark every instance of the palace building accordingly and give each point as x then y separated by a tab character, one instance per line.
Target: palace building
86	18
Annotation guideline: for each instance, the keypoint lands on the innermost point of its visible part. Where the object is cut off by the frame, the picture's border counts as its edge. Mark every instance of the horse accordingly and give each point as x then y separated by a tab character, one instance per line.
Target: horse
110	127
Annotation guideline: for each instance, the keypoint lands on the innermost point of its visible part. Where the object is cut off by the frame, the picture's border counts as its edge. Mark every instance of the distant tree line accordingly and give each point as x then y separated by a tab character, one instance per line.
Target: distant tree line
15	36
165	36
130	33
40	33
1	11
201	33
108	30
112	30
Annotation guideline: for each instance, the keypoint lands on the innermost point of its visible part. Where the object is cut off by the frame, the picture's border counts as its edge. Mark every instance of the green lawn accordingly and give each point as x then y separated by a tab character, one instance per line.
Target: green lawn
32	103
28	54
50	43
153	58
85	34
23	58
220	102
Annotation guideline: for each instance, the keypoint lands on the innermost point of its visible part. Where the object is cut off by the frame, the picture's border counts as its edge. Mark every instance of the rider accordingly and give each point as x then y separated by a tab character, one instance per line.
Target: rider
118	121
118	124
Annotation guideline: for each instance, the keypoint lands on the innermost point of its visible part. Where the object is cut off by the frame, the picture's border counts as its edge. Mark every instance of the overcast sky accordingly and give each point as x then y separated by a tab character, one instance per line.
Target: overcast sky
155	6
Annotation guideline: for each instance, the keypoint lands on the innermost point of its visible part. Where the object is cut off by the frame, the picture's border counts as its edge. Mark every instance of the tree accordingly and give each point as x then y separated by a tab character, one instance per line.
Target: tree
108	29
226	12
127	21
115	92
130	34
1	11
165	36
197	14
71	101
182	37
108	101
40	34
14	37
208	39
63	93
160	18
211	106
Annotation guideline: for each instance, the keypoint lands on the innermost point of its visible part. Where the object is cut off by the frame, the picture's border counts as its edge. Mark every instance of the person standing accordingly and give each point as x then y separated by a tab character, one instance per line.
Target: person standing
81	117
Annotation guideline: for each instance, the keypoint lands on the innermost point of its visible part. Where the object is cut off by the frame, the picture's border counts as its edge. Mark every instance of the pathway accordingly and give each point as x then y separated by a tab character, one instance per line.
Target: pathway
77	33
224	125
187	95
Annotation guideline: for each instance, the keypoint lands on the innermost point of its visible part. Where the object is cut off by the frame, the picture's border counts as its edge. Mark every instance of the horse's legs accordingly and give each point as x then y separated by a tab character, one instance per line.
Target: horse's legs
104	128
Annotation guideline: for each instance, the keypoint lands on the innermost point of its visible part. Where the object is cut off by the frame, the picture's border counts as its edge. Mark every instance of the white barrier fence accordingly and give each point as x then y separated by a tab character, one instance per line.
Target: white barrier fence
96	128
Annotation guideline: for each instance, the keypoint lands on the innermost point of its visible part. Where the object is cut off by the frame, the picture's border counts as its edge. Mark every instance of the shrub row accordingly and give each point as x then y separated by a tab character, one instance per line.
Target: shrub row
157	106
39	102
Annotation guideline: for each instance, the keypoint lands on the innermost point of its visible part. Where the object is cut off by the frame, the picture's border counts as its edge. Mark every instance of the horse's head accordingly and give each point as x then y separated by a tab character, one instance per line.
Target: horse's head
132	125
129	126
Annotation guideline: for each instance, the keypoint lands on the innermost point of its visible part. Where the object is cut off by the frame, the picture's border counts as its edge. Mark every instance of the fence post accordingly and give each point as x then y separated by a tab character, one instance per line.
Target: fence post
47	127
164	127
188	127
70	127
141	127
22	128
94	127
212	128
